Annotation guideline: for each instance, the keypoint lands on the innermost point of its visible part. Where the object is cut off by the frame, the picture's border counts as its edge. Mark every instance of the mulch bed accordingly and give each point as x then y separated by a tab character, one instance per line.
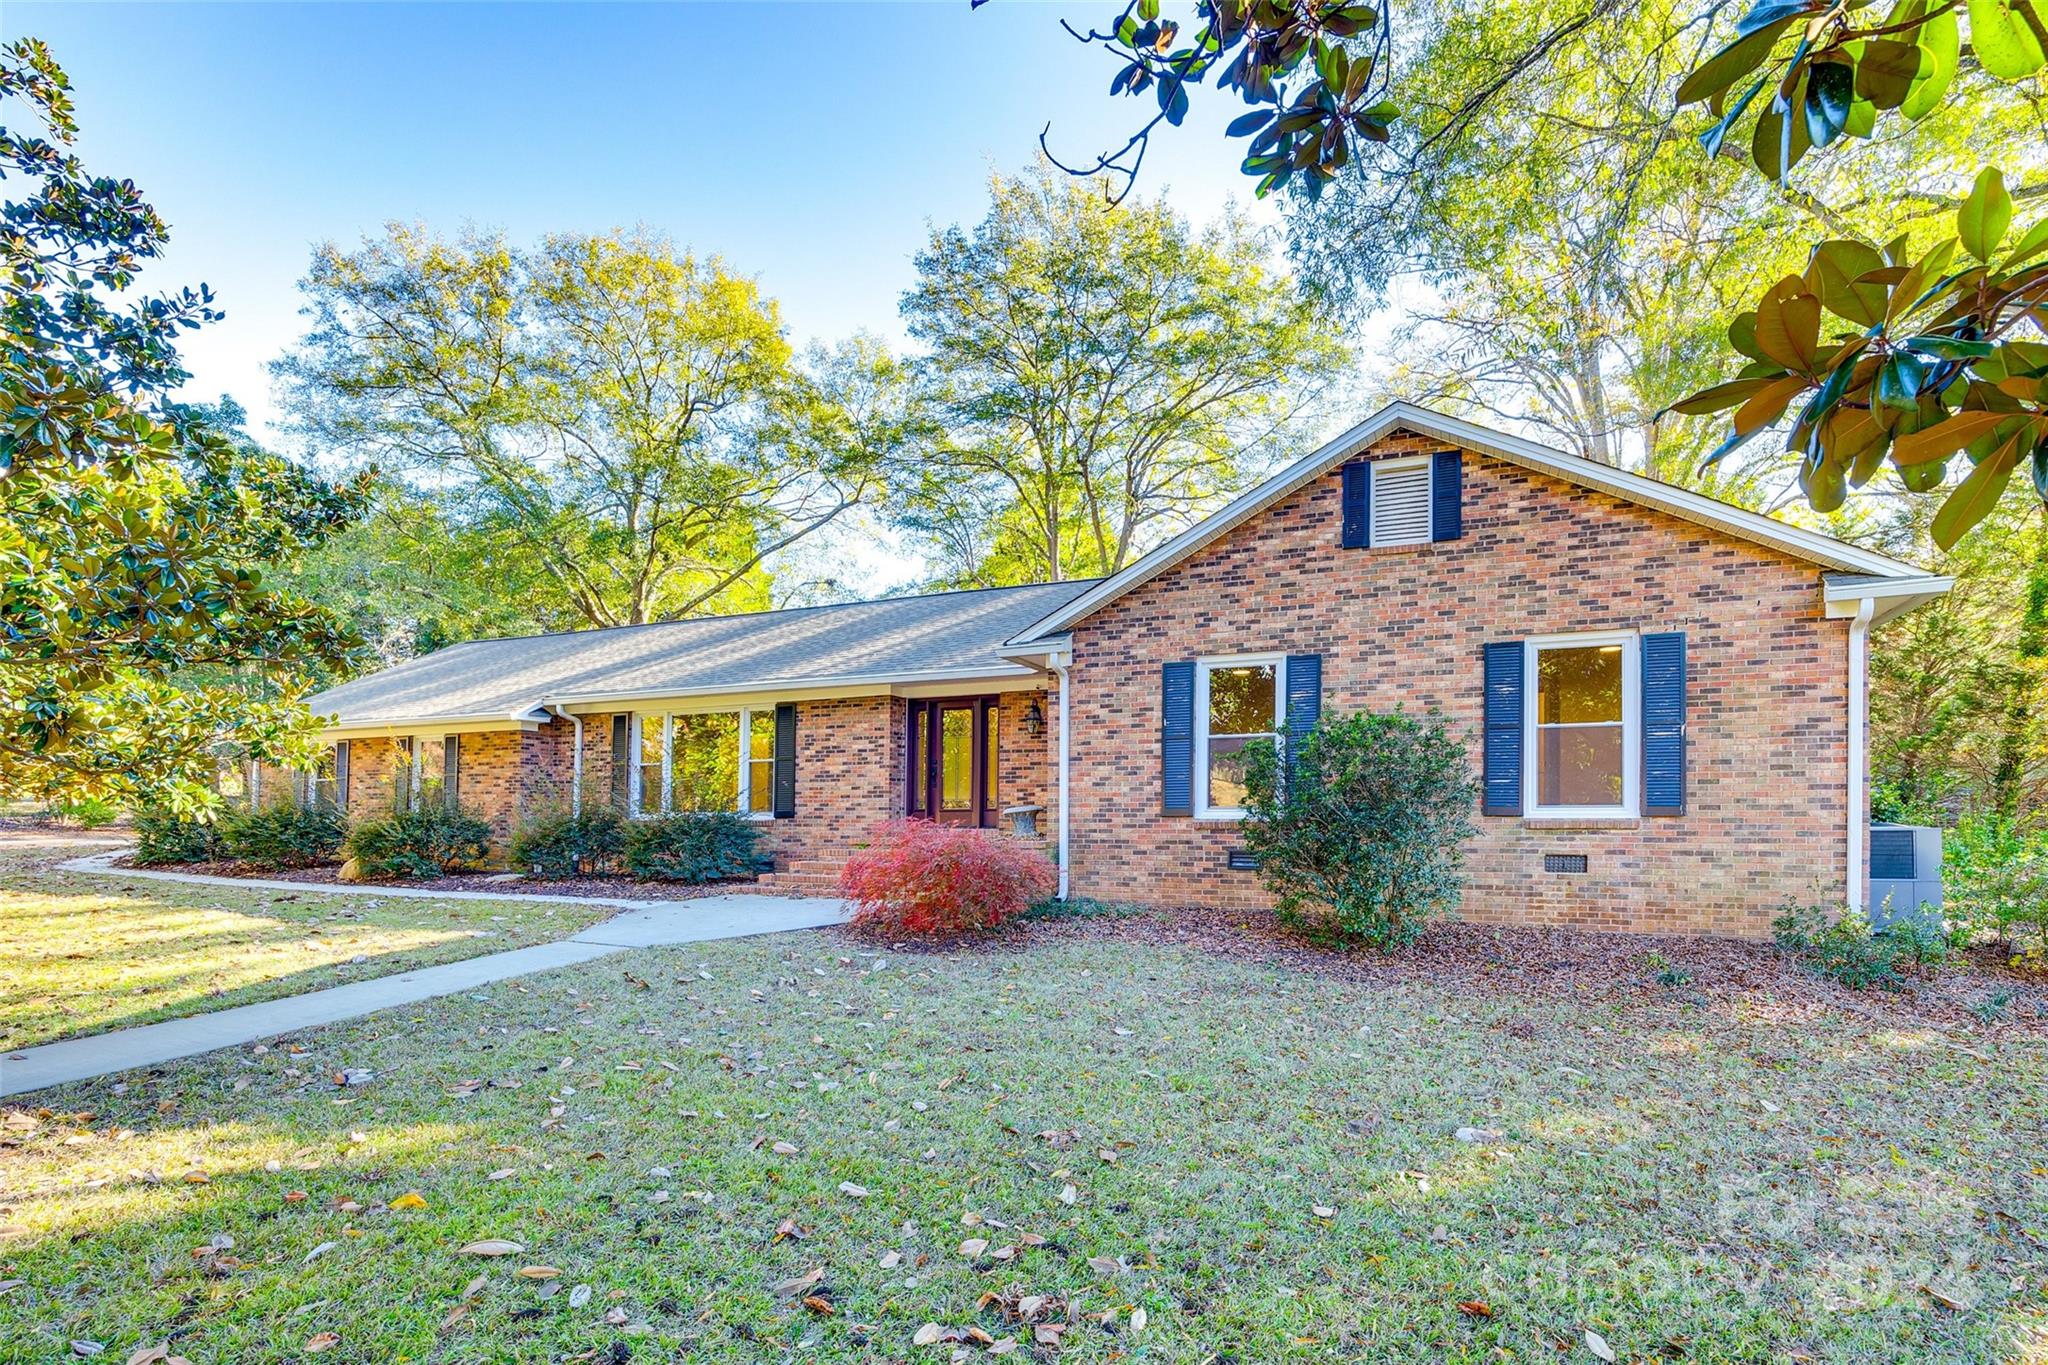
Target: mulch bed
614	888
1528	964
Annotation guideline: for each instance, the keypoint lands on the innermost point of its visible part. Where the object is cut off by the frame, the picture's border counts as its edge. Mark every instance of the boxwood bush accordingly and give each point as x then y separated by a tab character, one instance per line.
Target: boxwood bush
161	837
697	848
1359	833
425	841
565	845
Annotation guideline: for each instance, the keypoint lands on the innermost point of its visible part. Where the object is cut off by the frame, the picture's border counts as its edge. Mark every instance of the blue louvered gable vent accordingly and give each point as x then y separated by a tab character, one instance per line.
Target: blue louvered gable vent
1664	723
1177	738
1503	762
1891	855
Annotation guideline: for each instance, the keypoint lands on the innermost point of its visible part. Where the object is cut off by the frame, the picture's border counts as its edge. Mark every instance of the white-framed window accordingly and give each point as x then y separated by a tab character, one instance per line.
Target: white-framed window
688	761
1400	502
1582	725
1239	702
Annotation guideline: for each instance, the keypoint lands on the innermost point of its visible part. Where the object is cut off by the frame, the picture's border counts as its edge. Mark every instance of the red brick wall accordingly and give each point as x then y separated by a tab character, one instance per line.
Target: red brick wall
1766	800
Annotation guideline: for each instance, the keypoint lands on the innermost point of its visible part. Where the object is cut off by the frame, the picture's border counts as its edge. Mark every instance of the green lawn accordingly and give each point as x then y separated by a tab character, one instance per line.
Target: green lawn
1262	1160
85	953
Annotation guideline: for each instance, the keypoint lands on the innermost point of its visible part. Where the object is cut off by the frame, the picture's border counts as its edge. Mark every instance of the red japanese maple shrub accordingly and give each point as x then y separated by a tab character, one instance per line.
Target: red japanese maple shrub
932	880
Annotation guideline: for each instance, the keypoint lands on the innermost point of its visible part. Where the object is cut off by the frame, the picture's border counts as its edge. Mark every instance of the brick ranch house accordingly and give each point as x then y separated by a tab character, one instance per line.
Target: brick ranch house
1663	695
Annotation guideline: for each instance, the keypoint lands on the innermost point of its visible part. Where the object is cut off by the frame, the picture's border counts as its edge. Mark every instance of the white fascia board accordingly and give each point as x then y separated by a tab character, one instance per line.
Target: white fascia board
798	689
1842	595
1825	551
364	729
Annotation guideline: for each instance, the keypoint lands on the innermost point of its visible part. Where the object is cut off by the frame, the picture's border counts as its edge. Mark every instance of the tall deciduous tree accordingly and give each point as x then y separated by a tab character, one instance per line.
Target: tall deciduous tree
1100	373
622	418
135	541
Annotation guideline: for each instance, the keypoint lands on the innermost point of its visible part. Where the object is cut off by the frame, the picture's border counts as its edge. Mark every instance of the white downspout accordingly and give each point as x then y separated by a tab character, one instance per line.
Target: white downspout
575	762
1859	802
1060	671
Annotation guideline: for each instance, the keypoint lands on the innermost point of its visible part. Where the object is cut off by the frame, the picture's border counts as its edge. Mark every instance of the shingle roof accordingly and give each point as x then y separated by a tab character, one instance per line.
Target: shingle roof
895	639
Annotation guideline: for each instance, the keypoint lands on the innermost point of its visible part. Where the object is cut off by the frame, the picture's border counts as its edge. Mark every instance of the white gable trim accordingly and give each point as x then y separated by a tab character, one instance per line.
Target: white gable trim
1825	551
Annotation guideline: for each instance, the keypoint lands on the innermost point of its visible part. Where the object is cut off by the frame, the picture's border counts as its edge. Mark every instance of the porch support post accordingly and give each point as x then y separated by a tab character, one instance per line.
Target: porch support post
1060	663
1859	722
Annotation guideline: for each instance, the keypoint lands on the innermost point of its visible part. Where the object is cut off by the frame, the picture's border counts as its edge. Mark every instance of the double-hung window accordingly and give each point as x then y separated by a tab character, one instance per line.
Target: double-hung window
1237	705
699	761
1582	725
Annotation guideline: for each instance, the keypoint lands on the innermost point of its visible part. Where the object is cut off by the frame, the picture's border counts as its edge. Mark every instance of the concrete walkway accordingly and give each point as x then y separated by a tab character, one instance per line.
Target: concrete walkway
646	924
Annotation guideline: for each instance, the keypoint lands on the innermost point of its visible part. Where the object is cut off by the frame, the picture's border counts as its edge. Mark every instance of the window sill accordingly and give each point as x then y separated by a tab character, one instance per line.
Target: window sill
1588	822
1220	817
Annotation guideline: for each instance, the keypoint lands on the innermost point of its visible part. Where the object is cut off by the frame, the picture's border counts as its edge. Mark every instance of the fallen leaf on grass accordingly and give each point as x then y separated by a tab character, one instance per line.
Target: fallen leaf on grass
820	1305
411	1199
1139	1317
1068	1194
973	1247
494	1246
1953	1305
1473	1308
579	1296
847	1187
539	1272
323	1341
1105	1265
891	1259
475	1286
1597	1344
1322	1210
87	1348
317	1252
789	1289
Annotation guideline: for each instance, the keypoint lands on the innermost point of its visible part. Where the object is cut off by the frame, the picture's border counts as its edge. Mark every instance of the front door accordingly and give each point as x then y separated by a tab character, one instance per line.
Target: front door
953	761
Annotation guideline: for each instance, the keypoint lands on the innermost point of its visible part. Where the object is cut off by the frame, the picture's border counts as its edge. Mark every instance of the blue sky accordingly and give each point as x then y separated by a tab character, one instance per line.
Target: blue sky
808	144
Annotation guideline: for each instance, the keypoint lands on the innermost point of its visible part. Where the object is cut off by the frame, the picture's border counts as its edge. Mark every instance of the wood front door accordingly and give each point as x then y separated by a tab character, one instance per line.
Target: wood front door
953	761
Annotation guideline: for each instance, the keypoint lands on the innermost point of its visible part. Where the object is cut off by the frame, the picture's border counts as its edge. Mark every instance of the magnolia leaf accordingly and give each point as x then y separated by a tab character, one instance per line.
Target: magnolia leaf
1824	483
1944	439
1982	220
1838	271
1788	325
2031	244
1886	71
2004	45
1947	348
1732	63
1719	398
1976	496
1768	405
1907	295
1830	89
1941	47
1899	381
1712	139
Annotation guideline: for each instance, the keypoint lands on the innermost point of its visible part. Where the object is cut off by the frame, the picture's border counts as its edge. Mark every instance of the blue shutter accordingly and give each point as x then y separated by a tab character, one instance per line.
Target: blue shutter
1177	739
1503	762
784	780
1304	700
1447	495
1664	724
1357	506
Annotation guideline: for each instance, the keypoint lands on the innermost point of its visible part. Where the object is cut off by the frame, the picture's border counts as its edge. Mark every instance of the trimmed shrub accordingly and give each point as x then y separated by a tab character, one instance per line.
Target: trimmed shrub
284	836
423	842
713	846
161	837
87	812
1844	949
926	879
565	845
1360	837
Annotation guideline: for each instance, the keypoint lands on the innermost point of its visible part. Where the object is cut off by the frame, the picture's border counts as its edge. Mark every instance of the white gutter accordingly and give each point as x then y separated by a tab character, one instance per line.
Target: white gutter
1059	664
576	762
768	687
1859	803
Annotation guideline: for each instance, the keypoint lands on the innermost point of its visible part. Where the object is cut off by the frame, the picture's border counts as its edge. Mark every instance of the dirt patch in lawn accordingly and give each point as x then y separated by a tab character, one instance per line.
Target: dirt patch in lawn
494	883
1976	989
